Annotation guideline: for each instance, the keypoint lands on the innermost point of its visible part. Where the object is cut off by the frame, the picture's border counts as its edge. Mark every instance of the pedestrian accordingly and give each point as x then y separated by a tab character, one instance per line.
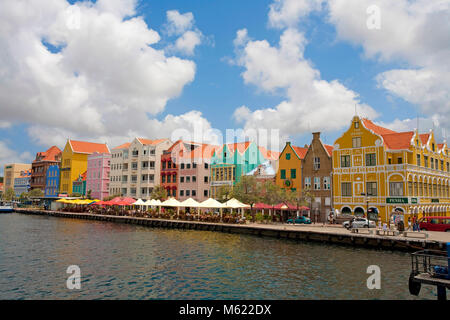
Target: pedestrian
409	224
379	223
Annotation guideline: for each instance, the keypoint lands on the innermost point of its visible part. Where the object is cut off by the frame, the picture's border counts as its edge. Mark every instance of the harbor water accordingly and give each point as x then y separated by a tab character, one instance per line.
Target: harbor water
121	261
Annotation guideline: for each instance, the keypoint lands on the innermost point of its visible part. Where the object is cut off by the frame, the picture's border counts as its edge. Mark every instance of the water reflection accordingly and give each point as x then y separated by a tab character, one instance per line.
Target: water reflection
121	261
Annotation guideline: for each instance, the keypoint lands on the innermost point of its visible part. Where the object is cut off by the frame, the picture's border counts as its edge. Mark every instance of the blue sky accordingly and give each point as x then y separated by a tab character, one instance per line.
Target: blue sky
225	77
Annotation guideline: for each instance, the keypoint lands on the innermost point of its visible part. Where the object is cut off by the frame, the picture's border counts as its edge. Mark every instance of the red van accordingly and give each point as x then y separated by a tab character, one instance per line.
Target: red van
435	224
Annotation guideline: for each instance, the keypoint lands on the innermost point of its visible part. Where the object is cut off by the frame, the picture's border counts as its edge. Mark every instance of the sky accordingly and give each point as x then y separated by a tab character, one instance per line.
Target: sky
271	70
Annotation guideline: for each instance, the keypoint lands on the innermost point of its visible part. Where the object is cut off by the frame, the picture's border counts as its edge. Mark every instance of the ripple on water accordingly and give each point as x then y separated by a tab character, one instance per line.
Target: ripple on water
134	262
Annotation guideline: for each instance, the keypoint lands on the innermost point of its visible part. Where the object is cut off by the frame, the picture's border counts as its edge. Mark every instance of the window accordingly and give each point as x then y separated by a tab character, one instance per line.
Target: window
194	165
181	179
356	142
283	174
307	182
144	177
205	193
425	161
181	193
293	174
442	165
418	159
371	188
326	183
356	124
346	189
432	146
163	178
432	163
288	156
188	193
316	183
188	166
316	163
371	159
188	180
133	178
182	166
194	193
145	164
205	179
345	161
436	164
194	179
399	160
395	189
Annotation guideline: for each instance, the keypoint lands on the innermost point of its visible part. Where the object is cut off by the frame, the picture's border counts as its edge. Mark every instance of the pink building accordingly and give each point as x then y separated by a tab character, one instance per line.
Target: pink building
97	179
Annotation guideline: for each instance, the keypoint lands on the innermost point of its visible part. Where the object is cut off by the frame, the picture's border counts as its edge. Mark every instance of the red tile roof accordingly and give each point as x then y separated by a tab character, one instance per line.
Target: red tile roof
123	146
88	147
150	142
269	154
240	146
424	137
375	128
301	152
400	140
52	154
329	149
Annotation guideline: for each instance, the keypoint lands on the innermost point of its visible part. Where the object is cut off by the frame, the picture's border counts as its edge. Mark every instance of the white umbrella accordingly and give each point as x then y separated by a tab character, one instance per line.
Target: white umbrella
236	204
172	202
189	203
139	203
212	203
148	203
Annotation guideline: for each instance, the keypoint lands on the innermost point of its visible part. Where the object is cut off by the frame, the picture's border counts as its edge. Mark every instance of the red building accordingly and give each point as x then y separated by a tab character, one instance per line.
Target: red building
40	165
169	169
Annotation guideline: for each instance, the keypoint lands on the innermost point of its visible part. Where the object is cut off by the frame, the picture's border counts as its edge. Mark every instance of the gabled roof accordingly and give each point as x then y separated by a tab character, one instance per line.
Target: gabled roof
269	154
329	149
375	128
204	151
400	140
88	147
150	142
424	137
52	154
241	147
301	152
123	146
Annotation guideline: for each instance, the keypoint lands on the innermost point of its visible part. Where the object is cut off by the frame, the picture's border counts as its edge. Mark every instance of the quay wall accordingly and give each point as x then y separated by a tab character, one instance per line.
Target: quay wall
355	240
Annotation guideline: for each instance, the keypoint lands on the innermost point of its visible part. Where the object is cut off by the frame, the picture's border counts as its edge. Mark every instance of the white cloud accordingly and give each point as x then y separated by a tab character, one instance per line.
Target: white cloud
286	13
182	25
414	32
188	41
424	125
104	78
311	102
8	155
179	23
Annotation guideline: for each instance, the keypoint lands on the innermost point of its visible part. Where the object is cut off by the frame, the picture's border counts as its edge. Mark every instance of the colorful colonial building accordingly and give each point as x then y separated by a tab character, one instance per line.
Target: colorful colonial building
317	171
79	185
98	174
74	161
11	172
232	161
290	163
389	172
52	181
41	164
22	183
136	167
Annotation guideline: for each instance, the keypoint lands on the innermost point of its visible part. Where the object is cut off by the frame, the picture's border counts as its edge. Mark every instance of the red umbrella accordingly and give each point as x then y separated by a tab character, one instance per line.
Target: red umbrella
261	205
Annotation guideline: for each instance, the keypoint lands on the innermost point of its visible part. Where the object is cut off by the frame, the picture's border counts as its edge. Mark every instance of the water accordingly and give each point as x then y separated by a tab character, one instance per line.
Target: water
134	262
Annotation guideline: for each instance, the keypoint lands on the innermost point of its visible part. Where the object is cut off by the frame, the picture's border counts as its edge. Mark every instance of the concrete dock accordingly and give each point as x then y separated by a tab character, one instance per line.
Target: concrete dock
332	234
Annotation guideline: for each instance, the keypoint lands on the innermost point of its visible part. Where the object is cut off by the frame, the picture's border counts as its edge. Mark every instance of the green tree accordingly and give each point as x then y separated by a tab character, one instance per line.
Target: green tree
9	194
224	193
159	193
36	193
248	191
24	196
299	198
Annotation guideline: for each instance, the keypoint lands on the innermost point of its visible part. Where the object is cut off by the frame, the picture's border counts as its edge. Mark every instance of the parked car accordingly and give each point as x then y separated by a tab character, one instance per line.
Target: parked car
299	220
435	224
359	223
341	218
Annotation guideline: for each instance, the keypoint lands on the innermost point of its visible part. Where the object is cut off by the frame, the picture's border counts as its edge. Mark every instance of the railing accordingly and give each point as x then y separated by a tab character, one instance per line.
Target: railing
433	262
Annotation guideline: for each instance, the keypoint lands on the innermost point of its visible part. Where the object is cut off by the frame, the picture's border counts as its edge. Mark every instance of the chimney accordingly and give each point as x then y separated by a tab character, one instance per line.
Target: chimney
316	135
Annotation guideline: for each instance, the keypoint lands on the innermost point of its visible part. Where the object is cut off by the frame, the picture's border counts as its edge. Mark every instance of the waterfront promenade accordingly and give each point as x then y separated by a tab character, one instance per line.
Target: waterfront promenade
317	233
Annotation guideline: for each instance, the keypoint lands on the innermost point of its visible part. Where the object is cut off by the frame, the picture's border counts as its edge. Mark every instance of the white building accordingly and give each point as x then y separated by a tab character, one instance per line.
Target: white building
136	167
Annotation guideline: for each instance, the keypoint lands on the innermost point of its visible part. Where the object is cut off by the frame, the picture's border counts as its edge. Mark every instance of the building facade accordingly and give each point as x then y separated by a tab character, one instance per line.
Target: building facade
317	172
231	161
41	164
384	173
74	161
22	183
52	181
79	185
289	173
98	175
11	172
136	167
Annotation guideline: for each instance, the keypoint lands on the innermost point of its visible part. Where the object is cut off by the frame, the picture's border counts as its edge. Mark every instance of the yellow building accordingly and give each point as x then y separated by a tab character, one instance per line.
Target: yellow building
74	161
289	174
390	172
